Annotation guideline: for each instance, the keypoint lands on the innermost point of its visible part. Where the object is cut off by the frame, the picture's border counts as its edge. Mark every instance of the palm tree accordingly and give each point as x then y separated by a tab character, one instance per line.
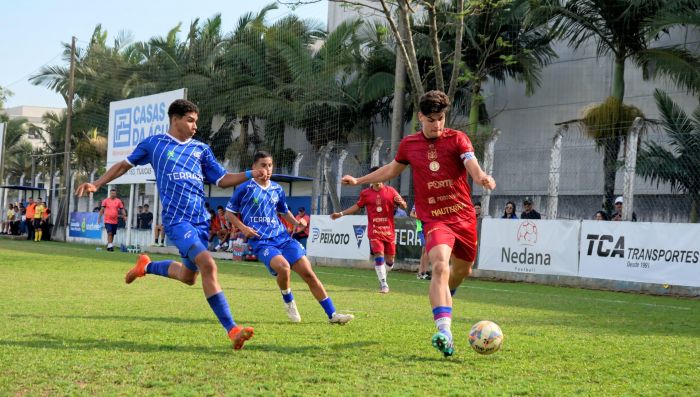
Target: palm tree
625	30
676	161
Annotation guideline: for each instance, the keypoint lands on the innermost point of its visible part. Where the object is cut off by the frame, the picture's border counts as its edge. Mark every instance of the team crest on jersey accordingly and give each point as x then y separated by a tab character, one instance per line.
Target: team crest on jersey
274	198
171	154
196	154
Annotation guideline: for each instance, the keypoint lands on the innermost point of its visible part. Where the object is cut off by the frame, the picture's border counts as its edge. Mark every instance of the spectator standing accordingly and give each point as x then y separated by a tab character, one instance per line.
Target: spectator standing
29	220
145	218
39	210
600	216
112	207
509	211
301	231
529	212
617	215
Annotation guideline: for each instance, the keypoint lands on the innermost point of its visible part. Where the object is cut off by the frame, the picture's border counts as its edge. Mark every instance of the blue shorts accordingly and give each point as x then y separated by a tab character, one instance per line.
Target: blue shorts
111	228
190	240
289	248
421	237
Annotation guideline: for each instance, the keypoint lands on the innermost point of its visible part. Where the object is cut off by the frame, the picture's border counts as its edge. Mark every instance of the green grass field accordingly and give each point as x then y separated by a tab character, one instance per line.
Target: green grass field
70	326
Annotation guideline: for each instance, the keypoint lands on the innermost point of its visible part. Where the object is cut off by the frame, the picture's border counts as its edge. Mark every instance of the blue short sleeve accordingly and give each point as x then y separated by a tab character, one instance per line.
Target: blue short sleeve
140	155
234	204
212	170
282	206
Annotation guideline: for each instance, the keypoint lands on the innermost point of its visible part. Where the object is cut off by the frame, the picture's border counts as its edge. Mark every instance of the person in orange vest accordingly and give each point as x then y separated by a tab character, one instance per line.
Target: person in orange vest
29	216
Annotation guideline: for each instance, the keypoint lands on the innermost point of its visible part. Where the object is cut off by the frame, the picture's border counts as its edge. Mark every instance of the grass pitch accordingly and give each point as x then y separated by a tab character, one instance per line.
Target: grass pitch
70	326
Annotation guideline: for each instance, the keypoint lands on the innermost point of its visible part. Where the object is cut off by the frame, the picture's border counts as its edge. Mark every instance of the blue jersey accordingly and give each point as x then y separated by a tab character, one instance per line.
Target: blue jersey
259	206
181	169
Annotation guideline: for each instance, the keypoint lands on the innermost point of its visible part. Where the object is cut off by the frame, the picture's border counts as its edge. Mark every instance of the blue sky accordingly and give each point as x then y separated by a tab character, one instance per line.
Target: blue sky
32	31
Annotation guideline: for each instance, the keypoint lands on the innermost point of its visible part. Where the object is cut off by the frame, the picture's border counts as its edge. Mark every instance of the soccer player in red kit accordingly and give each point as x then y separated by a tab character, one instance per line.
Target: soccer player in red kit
381	202
438	157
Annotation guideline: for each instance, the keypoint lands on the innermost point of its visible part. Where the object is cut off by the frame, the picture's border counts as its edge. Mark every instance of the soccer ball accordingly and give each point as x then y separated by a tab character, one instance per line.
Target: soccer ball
485	337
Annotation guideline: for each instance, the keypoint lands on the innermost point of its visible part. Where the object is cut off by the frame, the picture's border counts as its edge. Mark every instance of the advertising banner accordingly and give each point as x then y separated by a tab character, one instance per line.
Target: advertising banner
85	225
529	246
661	253
344	238
130	122
407	242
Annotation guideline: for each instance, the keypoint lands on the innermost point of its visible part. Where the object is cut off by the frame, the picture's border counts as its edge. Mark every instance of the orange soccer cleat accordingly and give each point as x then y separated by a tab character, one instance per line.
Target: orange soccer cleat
239	336
139	270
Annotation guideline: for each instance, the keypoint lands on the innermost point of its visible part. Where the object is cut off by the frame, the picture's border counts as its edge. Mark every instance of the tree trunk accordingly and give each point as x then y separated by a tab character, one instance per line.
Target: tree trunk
611	148
694	203
474	110
618	79
397	123
435	46
243	141
457	56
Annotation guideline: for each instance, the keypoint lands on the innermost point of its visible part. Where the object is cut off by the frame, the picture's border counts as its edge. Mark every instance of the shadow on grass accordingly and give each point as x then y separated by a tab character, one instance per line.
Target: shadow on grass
51	342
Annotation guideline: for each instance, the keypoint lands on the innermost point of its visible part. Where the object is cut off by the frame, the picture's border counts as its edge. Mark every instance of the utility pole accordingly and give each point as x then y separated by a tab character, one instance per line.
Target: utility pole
65	210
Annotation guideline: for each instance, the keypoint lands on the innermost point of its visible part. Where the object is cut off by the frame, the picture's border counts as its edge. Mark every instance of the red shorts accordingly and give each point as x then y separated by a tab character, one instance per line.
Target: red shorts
461	237
384	247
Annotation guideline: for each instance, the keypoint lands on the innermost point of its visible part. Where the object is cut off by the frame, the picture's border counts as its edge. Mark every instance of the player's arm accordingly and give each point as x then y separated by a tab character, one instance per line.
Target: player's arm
289	217
248	232
383	174
112	173
348	211
400	201
231	179
478	175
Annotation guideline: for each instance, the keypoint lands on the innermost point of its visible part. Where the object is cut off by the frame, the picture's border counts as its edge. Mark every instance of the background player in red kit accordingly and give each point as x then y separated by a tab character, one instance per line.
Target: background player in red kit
438	157
380	202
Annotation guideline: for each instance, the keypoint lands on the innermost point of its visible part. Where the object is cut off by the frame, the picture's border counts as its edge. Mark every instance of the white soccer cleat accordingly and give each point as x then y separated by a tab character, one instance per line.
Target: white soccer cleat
293	312
342	319
384	289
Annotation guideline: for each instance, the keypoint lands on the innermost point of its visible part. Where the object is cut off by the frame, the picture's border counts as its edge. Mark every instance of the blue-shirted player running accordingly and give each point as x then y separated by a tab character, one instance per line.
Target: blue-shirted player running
258	202
181	166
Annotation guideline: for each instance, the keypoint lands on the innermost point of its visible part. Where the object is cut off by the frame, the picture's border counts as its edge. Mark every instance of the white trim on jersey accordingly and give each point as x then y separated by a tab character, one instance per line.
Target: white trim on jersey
177	140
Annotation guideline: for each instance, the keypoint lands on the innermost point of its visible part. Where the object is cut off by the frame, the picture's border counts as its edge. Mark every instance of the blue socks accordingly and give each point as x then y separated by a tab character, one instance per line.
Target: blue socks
159	268
287	295
327	305
378	261
220	307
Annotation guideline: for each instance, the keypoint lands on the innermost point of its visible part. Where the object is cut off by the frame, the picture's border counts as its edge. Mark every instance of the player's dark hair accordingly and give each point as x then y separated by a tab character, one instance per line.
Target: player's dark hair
373	168
219	207
180	107
477	203
434	102
261	154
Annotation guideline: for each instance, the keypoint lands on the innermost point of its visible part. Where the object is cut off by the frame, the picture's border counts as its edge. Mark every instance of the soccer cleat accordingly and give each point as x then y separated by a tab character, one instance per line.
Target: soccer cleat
239	336
384	289
293	312
443	342
342	319
388	267
139	270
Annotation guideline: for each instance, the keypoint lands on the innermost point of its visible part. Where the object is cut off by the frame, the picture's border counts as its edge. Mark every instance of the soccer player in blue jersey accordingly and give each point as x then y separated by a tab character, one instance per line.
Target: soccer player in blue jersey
258	203
181	165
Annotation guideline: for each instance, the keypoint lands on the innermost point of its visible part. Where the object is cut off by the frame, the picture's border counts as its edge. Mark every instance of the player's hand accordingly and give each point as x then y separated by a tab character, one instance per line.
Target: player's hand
261	173
86	187
336	215
349	180
488	182
249	232
400	201
302	222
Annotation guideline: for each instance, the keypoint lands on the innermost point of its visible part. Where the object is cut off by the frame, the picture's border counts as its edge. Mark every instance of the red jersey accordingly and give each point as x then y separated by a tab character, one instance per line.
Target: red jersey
112	207
380	212
442	193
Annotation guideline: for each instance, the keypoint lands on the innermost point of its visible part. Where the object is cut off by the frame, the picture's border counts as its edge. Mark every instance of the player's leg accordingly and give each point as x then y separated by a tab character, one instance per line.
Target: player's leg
37	228
439	242
279	267
389	254
303	268
463	254
377	249
165	268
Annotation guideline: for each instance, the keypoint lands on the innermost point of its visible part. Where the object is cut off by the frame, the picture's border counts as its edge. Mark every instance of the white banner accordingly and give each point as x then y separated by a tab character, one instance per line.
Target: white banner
660	253
344	238
529	246
132	120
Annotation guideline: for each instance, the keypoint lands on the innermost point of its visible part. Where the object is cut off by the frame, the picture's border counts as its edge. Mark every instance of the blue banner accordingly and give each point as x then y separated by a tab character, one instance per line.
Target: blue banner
85	225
